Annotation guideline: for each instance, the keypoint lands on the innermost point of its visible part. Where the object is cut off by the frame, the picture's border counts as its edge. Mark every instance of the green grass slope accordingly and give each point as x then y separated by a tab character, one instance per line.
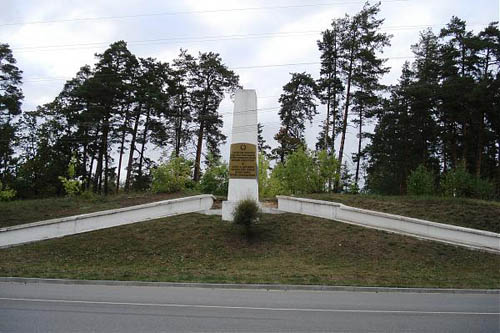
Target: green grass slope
286	248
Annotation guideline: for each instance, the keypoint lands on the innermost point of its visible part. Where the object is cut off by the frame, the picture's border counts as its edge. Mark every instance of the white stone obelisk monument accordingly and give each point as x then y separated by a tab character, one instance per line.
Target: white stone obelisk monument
243	173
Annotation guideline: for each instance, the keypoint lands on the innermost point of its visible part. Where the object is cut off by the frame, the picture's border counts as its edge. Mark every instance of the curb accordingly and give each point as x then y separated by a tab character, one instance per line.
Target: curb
282	287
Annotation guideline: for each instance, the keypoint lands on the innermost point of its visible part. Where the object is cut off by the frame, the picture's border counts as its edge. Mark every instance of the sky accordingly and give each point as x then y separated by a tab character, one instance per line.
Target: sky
262	41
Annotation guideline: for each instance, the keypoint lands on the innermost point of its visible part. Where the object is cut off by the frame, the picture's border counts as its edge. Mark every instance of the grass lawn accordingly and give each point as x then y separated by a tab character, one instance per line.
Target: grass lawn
470	213
26	211
286	248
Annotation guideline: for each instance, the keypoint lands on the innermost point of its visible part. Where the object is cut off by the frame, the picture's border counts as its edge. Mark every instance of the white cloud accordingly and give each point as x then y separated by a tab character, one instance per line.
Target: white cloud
229	22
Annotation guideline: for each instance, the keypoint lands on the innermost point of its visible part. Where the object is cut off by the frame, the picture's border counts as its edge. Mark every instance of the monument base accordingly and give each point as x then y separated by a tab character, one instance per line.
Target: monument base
228	210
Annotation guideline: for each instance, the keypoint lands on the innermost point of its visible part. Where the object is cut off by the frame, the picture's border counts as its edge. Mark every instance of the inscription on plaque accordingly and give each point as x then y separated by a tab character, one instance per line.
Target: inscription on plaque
243	161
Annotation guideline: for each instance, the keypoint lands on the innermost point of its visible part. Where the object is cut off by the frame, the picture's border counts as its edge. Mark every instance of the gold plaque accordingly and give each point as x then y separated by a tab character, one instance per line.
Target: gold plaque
243	161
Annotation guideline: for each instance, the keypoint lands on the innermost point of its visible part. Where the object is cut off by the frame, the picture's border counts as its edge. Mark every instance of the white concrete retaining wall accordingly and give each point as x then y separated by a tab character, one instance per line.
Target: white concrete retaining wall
472	238
32	232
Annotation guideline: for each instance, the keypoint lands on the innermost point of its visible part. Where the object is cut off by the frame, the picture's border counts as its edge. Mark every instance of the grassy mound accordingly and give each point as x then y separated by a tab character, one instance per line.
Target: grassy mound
286	248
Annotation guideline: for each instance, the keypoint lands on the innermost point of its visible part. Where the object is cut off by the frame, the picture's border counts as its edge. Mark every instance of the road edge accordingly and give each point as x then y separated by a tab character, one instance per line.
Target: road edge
278	287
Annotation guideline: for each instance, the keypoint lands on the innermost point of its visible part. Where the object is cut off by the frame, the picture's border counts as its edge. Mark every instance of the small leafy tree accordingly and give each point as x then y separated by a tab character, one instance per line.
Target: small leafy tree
6	193
303	172
215	180
264	179
327	164
277	182
173	176
421	181
457	183
72	185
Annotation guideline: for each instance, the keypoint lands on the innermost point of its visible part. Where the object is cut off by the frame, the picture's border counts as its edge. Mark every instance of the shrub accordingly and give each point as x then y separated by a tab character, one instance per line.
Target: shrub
71	185
215	180
172	176
457	183
421	181
461	184
246	213
6	193
89	195
483	189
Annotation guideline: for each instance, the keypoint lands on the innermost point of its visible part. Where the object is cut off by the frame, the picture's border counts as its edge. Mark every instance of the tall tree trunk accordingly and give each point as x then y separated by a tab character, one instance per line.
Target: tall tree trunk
334	119
334	106
89	176
98	171
359	144
199	147
84	153
346	114
106	160
122	148
132	148
178	129
144	137
479	149
327	118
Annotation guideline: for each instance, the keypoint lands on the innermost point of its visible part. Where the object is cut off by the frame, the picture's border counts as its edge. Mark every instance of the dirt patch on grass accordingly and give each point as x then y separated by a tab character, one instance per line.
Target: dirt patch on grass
285	248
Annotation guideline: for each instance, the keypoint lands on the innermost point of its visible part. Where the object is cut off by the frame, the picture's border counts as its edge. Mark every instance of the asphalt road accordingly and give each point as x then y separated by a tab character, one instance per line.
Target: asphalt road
88	308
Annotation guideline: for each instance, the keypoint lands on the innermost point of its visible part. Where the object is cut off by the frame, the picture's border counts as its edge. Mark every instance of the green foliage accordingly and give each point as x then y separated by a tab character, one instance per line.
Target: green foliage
346	179
328	165
459	183
90	196
246	213
72	185
483	189
264	179
421	181
277	183
353	189
215	180
172	177
6	193
303	172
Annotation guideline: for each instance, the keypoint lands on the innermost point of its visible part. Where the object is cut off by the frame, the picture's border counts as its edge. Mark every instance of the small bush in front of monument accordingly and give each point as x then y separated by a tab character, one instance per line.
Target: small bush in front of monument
246	214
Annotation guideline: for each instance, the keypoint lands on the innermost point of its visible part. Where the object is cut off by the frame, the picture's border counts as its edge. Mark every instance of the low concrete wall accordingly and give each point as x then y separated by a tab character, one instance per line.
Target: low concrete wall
446	233
25	233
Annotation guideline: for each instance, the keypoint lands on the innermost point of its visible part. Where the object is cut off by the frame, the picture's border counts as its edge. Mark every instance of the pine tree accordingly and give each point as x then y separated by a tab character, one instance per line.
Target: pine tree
297	105
330	85
459	57
11	97
263	147
181	105
209	80
367	75
112	81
